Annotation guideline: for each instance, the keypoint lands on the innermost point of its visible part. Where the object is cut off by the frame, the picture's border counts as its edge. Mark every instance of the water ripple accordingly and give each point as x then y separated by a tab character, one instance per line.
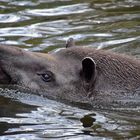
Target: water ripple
19	31
11	18
124	17
61	10
114	42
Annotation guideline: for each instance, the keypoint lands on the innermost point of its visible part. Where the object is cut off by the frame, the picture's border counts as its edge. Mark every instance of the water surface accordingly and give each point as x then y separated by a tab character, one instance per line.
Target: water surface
44	25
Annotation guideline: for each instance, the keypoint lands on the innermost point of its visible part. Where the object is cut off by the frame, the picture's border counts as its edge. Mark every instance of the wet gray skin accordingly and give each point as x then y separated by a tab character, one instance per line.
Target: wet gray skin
75	75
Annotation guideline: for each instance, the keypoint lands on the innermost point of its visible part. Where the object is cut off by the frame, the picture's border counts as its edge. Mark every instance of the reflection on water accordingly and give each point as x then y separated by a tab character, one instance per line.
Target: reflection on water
33	117
40	25
43	25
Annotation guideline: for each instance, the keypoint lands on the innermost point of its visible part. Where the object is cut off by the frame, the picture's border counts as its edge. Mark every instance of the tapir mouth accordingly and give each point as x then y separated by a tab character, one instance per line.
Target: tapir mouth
5	78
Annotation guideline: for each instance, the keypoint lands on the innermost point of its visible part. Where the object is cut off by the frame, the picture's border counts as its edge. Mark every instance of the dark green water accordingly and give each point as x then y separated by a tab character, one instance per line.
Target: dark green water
43	25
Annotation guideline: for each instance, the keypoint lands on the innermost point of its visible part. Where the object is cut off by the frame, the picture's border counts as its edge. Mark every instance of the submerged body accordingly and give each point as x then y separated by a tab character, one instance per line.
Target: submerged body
76	75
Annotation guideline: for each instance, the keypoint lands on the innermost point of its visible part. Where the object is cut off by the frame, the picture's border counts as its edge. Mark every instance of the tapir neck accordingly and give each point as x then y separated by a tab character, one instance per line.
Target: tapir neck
114	71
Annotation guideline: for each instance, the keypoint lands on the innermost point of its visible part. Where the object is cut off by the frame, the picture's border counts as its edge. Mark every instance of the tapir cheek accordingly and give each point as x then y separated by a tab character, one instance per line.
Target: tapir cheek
32	85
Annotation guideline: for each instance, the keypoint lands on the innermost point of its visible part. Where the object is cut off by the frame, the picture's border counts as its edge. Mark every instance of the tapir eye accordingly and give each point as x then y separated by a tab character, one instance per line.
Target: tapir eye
46	76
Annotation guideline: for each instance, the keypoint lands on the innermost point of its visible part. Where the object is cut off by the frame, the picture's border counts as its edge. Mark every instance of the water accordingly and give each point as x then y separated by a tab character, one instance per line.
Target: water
43	25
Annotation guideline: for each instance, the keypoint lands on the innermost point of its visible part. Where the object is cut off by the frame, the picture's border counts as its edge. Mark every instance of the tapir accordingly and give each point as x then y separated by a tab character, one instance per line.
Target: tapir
79	76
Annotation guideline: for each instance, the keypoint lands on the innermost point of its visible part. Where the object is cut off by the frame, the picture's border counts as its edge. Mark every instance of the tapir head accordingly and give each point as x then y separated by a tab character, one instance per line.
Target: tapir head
53	75
74	74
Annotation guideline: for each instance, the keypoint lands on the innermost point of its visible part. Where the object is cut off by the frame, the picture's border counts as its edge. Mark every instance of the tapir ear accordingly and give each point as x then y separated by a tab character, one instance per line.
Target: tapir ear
70	43
88	69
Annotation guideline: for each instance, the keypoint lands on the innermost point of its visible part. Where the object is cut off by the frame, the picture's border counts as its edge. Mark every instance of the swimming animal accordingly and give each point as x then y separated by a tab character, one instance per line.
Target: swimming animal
75	75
